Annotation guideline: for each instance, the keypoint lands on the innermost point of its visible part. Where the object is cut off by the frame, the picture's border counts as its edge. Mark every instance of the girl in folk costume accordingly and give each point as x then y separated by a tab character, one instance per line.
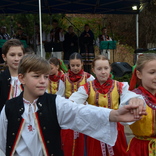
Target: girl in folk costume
108	93
73	142
144	77
10	86
57	71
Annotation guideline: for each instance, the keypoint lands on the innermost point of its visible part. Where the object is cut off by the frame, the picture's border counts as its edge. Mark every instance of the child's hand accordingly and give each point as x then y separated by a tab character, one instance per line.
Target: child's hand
140	107
123	114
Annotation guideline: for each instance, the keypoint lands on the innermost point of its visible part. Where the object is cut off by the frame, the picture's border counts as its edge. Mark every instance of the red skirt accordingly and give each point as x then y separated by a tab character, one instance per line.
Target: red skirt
94	146
71	146
138	147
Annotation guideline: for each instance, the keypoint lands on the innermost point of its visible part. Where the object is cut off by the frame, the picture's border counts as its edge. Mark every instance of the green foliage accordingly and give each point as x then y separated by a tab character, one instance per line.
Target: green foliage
124	53
27	21
80	21
125	78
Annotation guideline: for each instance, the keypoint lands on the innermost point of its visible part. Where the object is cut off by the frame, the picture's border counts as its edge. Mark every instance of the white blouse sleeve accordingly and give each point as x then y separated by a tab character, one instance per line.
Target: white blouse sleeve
61	88
80	96
3	130
91	78
125	96
87	119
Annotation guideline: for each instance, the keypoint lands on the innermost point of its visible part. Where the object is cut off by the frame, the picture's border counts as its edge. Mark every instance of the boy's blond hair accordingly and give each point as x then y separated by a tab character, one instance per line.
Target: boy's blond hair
33	63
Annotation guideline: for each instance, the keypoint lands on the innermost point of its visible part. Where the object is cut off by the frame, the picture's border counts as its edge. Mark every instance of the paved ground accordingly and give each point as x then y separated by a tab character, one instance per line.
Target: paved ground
128	133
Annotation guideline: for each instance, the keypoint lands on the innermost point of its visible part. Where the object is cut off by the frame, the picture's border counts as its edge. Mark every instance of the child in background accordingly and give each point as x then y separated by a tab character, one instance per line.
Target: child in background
28	50
55	85
75	76
144	77
30	123
73	142
10	86
108	93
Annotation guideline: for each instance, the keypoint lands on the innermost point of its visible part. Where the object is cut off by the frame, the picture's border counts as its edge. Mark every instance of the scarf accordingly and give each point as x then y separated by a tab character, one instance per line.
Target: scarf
57	77
149	98
105	87
75	77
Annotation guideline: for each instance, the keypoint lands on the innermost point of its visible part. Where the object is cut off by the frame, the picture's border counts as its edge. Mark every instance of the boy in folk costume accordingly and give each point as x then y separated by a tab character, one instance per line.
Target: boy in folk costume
108	93
10	86
30	123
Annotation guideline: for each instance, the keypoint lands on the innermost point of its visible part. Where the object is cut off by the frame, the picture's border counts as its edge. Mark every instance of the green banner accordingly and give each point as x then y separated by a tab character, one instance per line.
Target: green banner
3	41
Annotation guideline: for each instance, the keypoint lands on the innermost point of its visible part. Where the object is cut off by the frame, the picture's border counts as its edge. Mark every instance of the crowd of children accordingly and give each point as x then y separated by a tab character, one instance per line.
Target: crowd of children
108	93
39	98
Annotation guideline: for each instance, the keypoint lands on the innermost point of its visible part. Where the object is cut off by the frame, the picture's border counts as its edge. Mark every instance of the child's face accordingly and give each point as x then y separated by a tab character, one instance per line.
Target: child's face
102	70
148	76
35	84
54	69
75	65
13	57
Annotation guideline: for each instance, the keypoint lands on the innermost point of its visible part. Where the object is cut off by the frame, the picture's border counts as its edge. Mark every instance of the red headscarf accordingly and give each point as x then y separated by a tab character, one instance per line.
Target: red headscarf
135	81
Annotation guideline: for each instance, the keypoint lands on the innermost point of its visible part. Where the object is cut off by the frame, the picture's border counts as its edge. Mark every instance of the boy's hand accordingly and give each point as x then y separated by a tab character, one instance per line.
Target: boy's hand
124	114
140	106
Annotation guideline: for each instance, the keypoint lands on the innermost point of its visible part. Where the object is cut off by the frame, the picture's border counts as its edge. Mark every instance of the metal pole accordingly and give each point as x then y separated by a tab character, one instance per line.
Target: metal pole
40	23
137	31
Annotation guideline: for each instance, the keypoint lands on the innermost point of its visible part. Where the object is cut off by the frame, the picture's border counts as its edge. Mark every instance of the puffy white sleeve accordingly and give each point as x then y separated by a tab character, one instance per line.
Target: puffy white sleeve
3	130
61	88
80	96
125	96
87	119
91	78
1	153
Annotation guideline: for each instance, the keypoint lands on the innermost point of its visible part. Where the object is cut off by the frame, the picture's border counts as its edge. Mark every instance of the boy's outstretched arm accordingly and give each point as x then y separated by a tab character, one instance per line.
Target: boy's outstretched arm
125	114
91	120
